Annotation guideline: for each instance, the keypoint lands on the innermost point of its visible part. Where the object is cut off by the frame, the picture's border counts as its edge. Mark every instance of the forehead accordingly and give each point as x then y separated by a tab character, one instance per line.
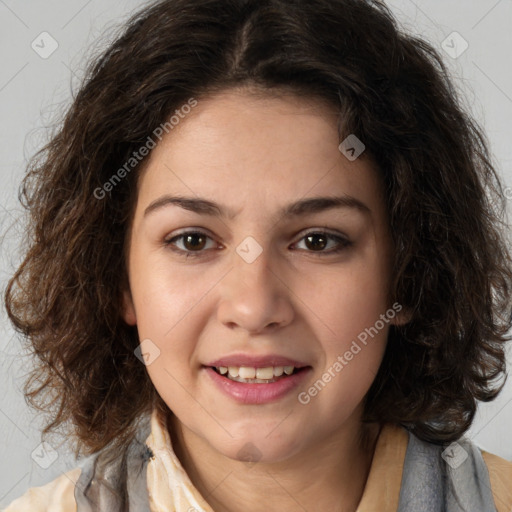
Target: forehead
257	153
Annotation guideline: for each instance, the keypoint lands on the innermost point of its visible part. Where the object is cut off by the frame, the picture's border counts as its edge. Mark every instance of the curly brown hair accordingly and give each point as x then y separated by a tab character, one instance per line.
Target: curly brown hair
452	268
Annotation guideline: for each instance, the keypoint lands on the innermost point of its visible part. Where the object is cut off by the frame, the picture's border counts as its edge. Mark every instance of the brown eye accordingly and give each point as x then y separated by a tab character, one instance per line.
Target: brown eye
194	241
318	241
191	242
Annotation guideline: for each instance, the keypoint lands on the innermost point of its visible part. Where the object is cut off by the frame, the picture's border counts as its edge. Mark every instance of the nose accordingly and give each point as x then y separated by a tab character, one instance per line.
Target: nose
255	297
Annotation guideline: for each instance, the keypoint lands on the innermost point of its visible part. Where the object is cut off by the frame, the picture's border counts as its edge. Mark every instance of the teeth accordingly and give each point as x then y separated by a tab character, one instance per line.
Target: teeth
288	370
278	371
265	373
246	372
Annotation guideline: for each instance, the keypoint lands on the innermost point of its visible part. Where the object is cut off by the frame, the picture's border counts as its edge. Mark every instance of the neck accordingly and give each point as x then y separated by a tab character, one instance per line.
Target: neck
329	475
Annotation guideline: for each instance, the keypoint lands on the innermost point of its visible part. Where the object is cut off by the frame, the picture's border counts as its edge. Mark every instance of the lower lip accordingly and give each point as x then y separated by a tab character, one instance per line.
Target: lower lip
257	393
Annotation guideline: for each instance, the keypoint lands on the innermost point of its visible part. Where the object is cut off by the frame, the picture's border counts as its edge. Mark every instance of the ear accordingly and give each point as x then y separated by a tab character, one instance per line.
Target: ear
129	315
402	315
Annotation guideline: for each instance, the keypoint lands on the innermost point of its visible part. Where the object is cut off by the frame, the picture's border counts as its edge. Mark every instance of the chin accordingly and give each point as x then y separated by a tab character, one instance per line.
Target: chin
259	446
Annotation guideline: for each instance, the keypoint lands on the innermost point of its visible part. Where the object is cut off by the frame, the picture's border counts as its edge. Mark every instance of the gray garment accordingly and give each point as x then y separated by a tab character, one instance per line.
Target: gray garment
118	485
434	479
452	479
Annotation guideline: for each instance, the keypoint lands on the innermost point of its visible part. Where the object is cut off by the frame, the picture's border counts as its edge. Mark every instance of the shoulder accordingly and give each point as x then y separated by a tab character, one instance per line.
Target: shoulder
500	474
55	496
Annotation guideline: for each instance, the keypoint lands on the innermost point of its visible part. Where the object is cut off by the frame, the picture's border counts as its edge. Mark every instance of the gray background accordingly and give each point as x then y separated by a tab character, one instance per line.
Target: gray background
33	90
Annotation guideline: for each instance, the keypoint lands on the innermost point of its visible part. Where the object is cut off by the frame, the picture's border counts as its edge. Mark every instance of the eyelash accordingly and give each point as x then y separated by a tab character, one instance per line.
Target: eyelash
343	243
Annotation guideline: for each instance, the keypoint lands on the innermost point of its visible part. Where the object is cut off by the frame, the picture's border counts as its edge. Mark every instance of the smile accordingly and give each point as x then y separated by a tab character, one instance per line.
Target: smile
245	385
248	374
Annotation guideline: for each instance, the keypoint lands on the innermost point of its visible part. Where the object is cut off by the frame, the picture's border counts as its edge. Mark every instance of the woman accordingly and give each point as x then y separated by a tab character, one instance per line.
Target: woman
265	270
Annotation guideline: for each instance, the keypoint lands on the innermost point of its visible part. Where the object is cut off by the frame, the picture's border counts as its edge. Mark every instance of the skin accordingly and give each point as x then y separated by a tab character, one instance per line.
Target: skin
256	154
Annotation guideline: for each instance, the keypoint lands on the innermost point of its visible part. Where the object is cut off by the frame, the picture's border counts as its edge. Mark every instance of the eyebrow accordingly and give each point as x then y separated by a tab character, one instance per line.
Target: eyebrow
296	209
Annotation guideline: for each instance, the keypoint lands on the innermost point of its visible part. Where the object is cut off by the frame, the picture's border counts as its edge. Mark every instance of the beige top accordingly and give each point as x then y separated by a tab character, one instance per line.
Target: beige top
168	483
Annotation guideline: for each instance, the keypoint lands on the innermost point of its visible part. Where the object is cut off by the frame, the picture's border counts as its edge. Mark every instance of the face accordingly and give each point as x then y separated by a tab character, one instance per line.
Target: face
260	276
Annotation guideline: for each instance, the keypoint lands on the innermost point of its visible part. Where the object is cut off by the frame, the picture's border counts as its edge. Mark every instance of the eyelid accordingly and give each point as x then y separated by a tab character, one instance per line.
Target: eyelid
168	241
342	240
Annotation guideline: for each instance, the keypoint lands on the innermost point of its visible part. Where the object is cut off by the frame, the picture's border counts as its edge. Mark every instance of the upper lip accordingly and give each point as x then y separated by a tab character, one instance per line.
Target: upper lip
256	361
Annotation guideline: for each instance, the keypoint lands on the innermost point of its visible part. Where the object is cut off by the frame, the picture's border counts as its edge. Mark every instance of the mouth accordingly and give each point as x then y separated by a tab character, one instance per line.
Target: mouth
256	380
252	375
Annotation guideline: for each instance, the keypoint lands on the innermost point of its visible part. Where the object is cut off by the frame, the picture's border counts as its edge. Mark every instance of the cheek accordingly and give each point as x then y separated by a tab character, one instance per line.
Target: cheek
168	309
347	301
165	295
352	333
348	367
